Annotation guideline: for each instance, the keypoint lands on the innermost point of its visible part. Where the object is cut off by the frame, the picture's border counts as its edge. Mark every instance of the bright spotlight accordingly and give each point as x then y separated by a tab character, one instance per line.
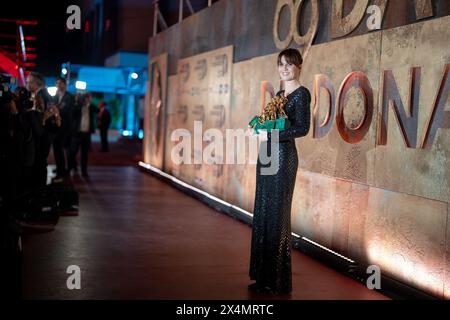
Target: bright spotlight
80	85
52	91
64	71
134	75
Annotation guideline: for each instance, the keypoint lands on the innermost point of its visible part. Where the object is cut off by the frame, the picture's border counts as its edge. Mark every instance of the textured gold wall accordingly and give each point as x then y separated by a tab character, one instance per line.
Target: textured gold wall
384	204
202	93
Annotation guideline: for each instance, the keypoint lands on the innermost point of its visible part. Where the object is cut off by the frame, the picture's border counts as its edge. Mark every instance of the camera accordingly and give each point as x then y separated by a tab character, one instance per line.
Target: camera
22	98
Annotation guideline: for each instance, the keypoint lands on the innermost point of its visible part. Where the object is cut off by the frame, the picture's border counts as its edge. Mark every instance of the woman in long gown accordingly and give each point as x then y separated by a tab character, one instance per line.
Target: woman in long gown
270	260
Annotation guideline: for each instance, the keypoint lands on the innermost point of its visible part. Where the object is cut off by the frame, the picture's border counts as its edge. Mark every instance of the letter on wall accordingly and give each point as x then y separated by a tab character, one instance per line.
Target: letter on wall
321	129
357	80
439	118
424	9
341	26
306	40
407	121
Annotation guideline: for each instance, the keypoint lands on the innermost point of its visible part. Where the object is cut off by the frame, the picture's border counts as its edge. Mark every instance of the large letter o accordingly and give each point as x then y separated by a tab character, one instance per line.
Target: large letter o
358	80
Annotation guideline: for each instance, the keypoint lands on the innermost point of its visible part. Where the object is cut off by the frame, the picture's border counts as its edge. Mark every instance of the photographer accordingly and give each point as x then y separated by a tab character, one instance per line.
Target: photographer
51	121
30	122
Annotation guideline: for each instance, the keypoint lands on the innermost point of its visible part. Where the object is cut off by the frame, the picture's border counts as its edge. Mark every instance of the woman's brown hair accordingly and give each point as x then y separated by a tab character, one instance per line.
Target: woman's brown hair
292	56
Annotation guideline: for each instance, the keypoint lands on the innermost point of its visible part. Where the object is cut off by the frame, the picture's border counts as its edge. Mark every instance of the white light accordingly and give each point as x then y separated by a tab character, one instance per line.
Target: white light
64	71
80	85
184	184
127	133
52	91
134	75
329	250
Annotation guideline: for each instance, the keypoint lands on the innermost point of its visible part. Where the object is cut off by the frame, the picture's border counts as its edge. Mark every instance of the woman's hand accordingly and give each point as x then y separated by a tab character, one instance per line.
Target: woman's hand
47	114
57	115
38	103
52	111
250	131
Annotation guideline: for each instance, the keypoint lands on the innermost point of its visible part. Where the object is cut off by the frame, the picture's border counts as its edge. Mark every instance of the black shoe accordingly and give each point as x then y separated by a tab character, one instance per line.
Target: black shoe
255	287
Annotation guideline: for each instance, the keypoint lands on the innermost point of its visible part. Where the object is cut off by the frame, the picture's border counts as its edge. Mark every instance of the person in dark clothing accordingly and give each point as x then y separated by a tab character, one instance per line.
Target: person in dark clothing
83	126
61	143
270	257
104	121
51	122
30	122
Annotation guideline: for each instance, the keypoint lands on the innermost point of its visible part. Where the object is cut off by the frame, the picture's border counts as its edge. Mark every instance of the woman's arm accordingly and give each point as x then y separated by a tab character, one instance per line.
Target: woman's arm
300	123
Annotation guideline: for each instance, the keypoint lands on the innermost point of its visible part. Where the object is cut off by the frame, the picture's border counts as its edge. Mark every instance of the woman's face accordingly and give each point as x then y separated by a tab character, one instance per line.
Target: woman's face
288	71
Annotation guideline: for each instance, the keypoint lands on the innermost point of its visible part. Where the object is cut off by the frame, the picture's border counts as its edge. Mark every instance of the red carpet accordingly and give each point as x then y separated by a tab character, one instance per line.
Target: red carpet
138	238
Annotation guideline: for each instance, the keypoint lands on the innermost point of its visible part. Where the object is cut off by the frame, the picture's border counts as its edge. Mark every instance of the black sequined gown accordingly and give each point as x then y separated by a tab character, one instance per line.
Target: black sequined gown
270	260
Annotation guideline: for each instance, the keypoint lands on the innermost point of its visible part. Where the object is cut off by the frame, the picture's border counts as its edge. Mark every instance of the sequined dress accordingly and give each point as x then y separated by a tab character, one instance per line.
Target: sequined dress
270	259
